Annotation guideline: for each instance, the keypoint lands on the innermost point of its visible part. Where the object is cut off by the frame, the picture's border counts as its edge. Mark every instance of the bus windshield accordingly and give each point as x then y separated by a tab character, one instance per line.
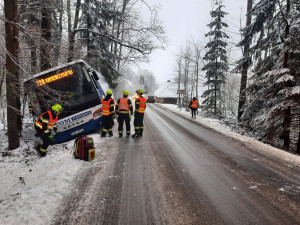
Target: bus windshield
70	86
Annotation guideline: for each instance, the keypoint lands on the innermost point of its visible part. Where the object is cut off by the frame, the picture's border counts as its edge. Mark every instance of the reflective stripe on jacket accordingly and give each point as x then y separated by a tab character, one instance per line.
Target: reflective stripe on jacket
123	105
194	104
142	106
50	123
105	107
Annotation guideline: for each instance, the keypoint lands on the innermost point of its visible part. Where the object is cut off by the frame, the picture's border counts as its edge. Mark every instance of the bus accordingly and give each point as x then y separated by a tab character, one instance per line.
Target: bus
78	88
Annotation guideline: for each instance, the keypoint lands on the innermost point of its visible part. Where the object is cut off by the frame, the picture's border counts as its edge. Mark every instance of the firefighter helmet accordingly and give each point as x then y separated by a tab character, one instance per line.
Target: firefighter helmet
109	92
140	91
126	92
57	108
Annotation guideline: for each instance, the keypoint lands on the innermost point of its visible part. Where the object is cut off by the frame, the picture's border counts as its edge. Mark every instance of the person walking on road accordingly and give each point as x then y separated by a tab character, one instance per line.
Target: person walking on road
194	107
123	107
140	106
44	124
108	111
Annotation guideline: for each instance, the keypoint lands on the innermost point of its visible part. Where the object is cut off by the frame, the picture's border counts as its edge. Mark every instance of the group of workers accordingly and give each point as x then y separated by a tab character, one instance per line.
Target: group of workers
123	109
45	124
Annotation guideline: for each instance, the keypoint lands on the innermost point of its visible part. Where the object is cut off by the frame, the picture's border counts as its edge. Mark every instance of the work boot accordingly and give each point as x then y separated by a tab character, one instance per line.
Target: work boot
103	134
37	147
110	134
135	135
120	135
141	133
42	154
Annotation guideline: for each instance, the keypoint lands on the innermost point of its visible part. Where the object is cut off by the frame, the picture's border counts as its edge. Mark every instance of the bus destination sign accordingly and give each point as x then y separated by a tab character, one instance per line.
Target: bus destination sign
53	78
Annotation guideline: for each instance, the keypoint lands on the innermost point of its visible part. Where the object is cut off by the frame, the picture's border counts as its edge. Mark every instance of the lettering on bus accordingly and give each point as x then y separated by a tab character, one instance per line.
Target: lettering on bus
74	118
55	77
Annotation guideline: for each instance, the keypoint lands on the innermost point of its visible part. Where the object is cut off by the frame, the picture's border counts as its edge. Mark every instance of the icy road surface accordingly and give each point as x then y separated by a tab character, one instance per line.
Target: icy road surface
182	173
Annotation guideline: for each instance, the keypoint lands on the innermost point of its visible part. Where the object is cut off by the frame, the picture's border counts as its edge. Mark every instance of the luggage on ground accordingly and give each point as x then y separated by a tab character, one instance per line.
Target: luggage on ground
84	148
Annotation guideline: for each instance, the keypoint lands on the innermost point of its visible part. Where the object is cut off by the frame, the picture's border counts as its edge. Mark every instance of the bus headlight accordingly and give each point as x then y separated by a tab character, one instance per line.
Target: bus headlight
97	114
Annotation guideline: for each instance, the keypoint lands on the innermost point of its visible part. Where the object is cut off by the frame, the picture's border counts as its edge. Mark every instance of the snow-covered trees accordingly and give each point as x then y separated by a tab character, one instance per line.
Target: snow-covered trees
109	34
216	57
273	97
188	72
115	34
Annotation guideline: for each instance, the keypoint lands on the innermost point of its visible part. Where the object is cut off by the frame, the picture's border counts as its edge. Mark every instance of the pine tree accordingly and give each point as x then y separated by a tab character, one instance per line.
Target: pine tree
272	105
244	64
216	58
95	23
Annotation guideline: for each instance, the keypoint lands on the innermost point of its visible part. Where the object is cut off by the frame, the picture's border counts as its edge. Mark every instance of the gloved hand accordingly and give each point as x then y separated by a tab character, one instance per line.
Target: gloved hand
52	139
130	117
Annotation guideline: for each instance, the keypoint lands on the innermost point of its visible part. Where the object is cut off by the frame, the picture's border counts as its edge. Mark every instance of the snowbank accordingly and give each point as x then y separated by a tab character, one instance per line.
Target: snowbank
32	187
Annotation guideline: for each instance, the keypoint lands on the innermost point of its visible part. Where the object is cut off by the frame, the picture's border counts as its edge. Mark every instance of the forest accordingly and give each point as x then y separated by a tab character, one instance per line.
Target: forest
260	91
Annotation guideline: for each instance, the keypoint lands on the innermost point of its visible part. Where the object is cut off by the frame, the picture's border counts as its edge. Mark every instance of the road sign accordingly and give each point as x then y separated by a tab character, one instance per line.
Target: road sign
180	92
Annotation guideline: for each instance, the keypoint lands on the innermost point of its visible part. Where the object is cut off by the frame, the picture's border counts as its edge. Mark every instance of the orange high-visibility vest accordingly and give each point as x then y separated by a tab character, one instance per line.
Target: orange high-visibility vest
50	123
123	105
105	107
142	107
194	104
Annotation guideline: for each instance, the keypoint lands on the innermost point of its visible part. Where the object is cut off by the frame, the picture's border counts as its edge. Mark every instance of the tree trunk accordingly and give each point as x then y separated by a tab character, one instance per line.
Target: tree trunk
286	128
121	32
287	33
287	112
89	26
46	36
59	30
72	32
33	57
2	78
179	81
12	76
298	144
245	65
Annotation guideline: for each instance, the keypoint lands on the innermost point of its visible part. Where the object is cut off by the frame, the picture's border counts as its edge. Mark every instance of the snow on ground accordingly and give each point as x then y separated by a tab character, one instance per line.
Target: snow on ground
32	187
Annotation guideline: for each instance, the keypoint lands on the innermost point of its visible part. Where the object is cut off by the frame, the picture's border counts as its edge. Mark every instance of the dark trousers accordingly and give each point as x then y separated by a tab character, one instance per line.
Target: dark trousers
45	141
193	112
108	124
124	117
138	123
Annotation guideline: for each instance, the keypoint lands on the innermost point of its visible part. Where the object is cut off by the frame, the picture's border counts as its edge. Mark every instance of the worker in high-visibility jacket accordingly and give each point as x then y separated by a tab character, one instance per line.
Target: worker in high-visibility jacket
194	107
140	106
124	110
44	125
108	111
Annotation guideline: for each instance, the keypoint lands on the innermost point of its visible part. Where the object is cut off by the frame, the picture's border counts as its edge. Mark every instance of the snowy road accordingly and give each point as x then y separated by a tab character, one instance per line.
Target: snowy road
182	173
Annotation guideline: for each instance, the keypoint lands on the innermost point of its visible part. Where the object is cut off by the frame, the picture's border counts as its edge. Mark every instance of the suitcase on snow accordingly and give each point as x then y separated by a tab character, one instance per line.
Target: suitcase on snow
84	148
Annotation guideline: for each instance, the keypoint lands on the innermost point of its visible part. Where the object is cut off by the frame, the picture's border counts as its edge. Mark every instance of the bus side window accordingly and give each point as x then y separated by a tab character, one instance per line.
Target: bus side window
97	86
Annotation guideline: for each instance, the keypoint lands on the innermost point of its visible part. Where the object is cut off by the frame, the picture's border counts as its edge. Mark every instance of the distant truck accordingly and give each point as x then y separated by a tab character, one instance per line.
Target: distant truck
78	88
151	99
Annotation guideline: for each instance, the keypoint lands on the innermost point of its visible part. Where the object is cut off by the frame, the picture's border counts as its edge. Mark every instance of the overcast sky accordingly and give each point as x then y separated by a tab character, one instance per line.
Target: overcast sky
188	18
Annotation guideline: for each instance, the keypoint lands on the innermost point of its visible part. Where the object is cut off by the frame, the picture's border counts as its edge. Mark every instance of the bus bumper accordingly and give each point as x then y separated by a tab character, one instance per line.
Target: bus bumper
78	131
